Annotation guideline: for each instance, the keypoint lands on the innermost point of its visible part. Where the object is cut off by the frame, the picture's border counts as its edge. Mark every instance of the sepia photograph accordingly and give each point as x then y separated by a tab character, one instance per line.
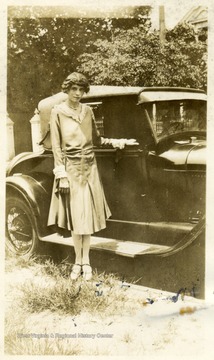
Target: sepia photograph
107	199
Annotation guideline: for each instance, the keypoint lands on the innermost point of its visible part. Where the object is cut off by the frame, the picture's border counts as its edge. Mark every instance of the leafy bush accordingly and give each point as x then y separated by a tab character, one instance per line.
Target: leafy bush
136	57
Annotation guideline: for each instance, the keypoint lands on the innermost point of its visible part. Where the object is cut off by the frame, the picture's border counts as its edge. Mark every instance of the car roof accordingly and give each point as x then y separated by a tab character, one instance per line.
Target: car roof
154	94
145	94
109	90
96	91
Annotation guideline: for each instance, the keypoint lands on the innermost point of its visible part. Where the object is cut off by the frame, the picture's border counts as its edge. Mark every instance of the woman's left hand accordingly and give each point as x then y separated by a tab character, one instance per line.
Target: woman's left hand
118	143
121	143
131	142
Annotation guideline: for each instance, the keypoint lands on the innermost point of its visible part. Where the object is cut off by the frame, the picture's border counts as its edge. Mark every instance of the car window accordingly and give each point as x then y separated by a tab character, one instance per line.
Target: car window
170	117
116	117
97	108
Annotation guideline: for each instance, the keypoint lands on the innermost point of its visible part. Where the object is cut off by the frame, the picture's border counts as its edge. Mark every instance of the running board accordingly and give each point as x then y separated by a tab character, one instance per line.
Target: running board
161	233
124	248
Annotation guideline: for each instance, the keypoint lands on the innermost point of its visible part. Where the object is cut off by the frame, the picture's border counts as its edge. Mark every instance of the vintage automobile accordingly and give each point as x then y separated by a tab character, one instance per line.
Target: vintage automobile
155	190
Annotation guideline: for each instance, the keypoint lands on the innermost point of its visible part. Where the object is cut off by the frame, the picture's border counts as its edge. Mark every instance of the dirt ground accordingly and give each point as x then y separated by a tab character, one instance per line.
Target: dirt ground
153	326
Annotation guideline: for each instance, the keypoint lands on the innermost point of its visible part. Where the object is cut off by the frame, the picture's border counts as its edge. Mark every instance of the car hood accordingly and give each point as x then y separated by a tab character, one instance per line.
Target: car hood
191	152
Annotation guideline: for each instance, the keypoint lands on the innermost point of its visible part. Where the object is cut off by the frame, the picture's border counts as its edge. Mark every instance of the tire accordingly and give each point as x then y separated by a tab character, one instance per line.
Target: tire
21	235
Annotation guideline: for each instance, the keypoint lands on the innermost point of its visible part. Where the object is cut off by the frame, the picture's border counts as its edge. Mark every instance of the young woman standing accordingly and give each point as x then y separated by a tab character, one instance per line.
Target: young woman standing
78	202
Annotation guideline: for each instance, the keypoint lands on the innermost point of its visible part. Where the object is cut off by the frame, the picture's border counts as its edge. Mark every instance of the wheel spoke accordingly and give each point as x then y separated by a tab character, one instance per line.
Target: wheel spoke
19	233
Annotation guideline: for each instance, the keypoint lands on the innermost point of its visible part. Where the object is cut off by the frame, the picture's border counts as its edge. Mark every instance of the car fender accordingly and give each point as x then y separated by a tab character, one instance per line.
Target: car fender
35	195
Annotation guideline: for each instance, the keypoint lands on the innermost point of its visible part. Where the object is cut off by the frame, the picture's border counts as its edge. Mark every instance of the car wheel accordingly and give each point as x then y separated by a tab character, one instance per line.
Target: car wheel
21	235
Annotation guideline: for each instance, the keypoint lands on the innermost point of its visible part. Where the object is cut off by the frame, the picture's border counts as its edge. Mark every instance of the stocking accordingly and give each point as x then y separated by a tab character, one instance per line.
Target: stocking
85	248
77	239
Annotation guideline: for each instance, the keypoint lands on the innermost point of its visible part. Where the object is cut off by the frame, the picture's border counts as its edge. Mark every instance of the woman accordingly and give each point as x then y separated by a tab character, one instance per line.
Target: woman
78	202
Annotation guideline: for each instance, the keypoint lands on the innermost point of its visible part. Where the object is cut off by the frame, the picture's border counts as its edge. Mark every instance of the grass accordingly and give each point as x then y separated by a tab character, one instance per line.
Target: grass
41	299
67	297
44	347
48	293
57	293
17	345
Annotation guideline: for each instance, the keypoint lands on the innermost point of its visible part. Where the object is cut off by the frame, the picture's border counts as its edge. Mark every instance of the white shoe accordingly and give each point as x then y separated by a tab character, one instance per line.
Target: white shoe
76	271
87	272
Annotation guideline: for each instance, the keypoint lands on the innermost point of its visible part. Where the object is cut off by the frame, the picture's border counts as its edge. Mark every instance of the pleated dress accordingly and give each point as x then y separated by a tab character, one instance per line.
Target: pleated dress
84	210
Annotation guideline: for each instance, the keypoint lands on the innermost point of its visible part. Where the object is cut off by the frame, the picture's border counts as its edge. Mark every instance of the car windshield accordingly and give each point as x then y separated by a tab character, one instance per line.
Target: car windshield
170	117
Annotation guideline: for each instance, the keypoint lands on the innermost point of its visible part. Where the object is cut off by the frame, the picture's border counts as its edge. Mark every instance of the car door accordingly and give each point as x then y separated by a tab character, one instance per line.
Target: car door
123	172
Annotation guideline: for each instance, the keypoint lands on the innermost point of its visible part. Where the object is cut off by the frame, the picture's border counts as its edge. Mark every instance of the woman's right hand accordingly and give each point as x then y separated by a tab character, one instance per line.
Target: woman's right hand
64	187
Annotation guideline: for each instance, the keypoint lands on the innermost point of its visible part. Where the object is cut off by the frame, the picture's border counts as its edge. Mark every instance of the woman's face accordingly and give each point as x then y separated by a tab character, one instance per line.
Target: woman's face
76	93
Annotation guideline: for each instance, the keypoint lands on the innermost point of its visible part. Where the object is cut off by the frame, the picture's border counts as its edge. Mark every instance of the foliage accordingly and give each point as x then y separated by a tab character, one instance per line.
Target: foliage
136	57
43	51
110	50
